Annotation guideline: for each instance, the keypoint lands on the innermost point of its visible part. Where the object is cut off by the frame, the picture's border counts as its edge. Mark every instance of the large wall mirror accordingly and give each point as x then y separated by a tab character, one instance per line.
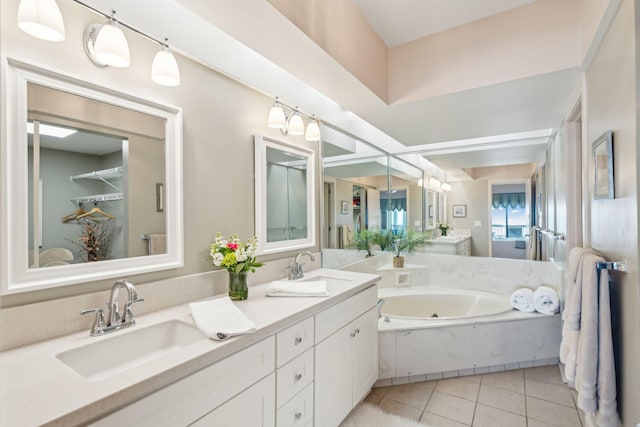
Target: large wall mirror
285	196
91	181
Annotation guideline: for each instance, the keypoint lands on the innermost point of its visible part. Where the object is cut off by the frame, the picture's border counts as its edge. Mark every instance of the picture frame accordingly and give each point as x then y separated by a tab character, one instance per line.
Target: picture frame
431	210
603	186
459	211
344	207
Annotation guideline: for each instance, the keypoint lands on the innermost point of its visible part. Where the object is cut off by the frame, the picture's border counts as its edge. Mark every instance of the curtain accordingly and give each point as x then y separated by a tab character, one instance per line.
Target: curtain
509	200
393	204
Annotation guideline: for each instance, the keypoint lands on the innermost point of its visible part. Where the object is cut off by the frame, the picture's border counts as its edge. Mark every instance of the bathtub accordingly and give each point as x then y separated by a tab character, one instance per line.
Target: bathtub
472	332
441	304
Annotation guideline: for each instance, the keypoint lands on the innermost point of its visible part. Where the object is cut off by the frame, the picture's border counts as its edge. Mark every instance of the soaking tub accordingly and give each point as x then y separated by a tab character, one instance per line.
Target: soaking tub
428	333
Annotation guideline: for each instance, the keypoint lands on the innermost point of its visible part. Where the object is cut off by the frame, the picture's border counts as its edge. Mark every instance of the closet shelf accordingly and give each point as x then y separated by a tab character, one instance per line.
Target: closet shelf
113	173
97	198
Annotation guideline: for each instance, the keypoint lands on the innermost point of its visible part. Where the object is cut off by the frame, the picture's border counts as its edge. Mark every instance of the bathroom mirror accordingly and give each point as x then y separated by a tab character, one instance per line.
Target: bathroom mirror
100	200
285	206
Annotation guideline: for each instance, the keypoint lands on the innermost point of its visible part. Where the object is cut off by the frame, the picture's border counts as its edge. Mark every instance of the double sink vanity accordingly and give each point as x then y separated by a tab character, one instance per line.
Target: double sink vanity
309	362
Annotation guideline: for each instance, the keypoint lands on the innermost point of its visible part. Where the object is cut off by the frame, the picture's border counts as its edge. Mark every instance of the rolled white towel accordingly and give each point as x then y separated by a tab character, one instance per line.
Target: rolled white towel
220	319
522	299
287	288
546	300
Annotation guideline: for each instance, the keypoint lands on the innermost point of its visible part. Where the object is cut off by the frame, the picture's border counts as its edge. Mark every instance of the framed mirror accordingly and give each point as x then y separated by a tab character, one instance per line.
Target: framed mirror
285	207
91	181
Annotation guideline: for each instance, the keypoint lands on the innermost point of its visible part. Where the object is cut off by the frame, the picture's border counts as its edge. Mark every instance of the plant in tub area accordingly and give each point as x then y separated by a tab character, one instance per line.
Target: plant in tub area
365	241
238	258
407	241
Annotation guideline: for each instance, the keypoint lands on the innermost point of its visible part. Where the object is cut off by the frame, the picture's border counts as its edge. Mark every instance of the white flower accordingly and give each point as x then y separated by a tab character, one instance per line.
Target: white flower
217	259
241	255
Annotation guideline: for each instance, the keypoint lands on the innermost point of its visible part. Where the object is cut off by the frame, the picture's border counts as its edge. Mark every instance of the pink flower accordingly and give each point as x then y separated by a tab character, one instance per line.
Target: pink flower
232	246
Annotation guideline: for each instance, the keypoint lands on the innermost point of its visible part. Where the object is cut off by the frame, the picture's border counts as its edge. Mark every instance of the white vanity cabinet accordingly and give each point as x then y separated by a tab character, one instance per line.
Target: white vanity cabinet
346	357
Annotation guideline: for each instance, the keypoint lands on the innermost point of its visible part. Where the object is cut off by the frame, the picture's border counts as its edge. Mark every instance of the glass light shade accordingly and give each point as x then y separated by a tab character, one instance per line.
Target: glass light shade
164	69
313	131
433	182
41	19
111	47
277	119
446	186
296	125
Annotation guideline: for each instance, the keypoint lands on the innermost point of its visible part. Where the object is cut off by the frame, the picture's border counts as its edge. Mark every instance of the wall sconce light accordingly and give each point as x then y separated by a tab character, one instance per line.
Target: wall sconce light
434	182
292	123
106	44
41	19
164	69
446	186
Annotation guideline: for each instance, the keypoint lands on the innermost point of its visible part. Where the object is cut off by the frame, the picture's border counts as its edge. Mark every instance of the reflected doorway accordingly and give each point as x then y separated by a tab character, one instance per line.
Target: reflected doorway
509	221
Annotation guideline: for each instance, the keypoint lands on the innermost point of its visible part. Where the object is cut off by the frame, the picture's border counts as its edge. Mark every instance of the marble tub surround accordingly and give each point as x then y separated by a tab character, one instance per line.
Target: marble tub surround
32	376
31	323
497	275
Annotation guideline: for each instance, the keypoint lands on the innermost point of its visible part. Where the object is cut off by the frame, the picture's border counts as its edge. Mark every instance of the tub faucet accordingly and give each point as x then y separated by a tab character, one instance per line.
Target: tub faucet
115	319
296	269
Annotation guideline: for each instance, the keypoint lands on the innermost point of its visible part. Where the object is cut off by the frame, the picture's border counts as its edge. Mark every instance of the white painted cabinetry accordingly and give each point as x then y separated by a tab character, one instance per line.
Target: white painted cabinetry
347	357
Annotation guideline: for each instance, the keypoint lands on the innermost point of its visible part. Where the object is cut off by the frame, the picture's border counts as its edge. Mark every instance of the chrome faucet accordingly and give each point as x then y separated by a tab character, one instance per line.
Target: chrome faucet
296	269
115	319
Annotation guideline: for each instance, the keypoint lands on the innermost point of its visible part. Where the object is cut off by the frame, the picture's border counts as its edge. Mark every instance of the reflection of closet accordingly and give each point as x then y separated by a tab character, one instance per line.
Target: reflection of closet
106	176
359	208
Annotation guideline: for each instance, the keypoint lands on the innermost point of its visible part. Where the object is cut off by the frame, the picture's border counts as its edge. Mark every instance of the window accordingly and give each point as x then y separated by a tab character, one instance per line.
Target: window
508	216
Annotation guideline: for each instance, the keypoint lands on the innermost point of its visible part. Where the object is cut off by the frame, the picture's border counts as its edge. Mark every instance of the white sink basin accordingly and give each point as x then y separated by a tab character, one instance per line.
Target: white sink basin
126	349
321	277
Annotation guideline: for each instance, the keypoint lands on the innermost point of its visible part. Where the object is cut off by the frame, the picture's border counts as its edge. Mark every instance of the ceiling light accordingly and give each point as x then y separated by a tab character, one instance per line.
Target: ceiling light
164	69
434	182
295	125
41	19
107	45
277	119
446	186
50	130
313	130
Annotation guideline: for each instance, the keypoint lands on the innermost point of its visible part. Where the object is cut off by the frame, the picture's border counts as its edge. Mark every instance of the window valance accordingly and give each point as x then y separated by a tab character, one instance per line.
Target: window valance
509	200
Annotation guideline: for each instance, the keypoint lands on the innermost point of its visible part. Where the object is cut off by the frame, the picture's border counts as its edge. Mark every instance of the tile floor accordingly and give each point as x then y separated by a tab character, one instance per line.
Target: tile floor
531	397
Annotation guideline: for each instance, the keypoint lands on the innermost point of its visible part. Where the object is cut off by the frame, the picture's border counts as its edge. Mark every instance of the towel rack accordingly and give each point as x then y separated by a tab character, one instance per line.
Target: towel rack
618	266
552	234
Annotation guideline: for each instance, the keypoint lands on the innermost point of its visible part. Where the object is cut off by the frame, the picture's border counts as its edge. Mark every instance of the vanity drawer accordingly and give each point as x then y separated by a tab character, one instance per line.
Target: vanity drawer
294	341
334	318
298	411
293	377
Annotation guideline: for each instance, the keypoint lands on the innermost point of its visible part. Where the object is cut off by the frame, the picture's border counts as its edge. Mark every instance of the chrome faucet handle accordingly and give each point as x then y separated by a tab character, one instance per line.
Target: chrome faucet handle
98	324
127	316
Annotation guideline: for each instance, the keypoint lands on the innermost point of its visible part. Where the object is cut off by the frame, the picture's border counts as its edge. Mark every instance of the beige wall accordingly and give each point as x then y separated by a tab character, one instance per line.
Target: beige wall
339	28
220	118
534	39
612	103
521	171
474	194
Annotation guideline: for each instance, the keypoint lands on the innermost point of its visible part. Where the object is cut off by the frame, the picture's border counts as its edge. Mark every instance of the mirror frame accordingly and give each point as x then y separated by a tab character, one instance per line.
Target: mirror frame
261	144
16	274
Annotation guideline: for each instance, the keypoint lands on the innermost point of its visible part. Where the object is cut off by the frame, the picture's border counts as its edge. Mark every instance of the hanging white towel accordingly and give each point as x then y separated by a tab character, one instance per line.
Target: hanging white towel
522	299
286	288
220	319
546	300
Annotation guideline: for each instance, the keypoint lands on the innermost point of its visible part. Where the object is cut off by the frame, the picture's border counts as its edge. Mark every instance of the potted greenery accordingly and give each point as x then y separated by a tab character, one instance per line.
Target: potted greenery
443	228
406	241
384	239
365	241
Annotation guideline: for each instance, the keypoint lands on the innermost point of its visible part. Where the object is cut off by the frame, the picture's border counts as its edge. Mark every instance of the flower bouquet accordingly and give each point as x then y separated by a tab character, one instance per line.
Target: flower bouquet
238	258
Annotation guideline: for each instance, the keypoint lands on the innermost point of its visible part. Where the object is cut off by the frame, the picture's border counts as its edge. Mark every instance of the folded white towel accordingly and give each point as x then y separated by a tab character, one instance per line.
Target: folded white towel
286	288
522	299
220	319
546	300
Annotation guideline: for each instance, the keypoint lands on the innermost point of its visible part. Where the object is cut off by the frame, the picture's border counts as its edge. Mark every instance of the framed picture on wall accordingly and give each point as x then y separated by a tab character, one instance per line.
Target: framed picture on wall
430	211
459	211
603	166
344	207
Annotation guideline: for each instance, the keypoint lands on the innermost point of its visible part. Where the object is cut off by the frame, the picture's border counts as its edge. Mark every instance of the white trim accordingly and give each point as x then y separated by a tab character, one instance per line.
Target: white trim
16	274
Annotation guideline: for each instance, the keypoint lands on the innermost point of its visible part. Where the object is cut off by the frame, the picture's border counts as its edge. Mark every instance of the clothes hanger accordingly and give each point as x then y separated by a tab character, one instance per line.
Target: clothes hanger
73	215
95	210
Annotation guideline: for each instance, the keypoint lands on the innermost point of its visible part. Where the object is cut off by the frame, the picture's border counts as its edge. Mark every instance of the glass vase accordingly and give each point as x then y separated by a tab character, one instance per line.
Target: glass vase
238	289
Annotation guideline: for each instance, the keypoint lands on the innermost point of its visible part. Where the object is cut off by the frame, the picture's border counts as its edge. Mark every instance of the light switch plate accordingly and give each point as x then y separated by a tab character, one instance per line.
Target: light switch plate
478	223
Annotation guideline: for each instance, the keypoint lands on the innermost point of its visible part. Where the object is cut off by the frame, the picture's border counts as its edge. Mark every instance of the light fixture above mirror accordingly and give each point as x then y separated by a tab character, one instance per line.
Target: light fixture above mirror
41	19
291	122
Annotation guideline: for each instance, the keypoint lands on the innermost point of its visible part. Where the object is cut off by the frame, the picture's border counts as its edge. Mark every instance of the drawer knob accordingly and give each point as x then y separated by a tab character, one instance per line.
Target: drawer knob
297	377
297	340
353	334
357	331
297	416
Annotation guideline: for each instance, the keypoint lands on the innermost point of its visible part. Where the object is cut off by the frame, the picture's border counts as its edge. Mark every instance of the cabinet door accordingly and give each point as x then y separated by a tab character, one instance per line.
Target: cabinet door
333	379
364	352
254	407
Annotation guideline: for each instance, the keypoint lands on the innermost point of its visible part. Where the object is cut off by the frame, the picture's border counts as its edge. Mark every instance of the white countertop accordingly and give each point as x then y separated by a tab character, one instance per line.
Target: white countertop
449	240
38	389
